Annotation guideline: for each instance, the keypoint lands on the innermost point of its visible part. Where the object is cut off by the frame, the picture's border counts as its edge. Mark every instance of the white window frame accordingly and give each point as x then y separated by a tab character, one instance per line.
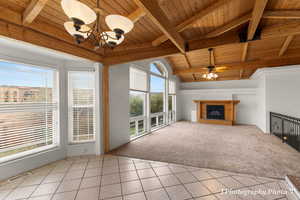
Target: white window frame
174	99
142	117
57	141
147	110
70	109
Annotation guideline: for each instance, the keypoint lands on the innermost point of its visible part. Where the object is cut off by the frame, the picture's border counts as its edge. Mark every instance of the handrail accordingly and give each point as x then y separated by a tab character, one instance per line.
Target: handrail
284	116
286	128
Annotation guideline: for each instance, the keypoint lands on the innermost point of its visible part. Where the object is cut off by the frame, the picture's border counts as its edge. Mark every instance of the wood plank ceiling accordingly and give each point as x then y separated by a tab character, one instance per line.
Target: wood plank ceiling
165	28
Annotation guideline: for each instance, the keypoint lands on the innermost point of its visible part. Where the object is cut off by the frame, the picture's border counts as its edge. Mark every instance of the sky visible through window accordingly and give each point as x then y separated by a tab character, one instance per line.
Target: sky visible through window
157	84
154	69
20	75
12	74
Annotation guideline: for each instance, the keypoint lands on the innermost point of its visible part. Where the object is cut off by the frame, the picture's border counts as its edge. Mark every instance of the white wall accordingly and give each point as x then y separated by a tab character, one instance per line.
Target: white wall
119	105
246	109
277	92
261	102
21	52
283	92
231	84
243	90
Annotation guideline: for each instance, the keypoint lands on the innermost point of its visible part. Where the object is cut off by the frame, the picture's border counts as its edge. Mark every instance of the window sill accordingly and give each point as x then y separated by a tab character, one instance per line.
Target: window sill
82	142
28	154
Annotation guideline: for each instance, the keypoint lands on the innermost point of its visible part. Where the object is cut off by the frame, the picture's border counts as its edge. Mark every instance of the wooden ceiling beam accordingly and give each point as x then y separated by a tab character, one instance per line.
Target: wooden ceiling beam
281	14
33	10
257	13
249	65
224	78
120	57
155	52
136	15
245	51
28	35
189	22
282	30
156	14
187	61
285	45
189	64
241	73
212	57
231	25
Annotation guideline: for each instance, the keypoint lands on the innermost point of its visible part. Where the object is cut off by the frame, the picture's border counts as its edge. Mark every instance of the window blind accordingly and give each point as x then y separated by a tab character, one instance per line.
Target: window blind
82	106
172	87
28	108
138	79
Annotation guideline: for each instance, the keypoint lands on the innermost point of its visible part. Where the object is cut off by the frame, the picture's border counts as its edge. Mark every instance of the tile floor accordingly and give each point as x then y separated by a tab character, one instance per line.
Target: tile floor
120	178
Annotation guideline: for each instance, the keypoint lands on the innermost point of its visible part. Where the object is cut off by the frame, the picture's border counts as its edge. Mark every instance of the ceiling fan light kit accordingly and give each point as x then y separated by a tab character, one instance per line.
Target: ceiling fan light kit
81	25
210	75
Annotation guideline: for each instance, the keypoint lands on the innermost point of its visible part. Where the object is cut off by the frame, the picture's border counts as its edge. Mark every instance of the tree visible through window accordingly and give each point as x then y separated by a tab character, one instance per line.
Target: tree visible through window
136	102
157	102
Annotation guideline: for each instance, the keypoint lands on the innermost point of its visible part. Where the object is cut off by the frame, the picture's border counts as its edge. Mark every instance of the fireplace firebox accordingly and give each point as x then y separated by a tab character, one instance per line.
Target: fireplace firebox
215	112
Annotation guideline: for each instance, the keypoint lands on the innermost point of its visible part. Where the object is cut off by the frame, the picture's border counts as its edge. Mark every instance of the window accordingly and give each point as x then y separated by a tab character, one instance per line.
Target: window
152	99
157	96
81	106
152	102
157	68
172	102
28	110
138	80
137	102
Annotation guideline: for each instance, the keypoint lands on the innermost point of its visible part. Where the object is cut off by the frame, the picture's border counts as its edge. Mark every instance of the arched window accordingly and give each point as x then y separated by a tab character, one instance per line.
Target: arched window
158	80
150	99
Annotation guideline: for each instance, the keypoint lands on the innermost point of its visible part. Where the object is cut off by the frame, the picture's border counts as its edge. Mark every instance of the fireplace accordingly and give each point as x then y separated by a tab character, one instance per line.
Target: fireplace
215	112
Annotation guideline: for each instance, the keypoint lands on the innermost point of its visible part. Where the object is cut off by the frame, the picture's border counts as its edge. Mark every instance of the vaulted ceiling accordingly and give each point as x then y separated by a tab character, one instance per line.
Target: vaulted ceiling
179	30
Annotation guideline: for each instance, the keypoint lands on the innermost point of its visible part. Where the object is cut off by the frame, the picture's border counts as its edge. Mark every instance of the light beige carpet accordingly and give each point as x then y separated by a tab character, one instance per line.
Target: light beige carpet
242	148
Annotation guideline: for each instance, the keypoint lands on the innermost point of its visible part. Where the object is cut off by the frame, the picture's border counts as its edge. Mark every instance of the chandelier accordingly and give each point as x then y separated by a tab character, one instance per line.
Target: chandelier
210	75
81	25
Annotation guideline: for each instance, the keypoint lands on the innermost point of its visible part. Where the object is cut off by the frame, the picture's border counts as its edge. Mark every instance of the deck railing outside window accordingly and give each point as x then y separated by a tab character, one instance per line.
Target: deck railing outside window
137	126
157	120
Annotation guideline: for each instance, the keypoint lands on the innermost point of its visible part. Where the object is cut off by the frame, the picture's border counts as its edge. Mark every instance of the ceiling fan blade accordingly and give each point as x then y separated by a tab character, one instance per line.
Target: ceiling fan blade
222	67
220	70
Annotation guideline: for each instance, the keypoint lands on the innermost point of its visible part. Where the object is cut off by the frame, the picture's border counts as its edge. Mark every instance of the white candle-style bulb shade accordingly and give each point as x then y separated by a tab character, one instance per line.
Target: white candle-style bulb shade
69	26
77	10
119	22
110	37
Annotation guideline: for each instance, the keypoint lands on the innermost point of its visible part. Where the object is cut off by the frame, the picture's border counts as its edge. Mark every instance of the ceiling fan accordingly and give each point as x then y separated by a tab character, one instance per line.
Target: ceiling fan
212	69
